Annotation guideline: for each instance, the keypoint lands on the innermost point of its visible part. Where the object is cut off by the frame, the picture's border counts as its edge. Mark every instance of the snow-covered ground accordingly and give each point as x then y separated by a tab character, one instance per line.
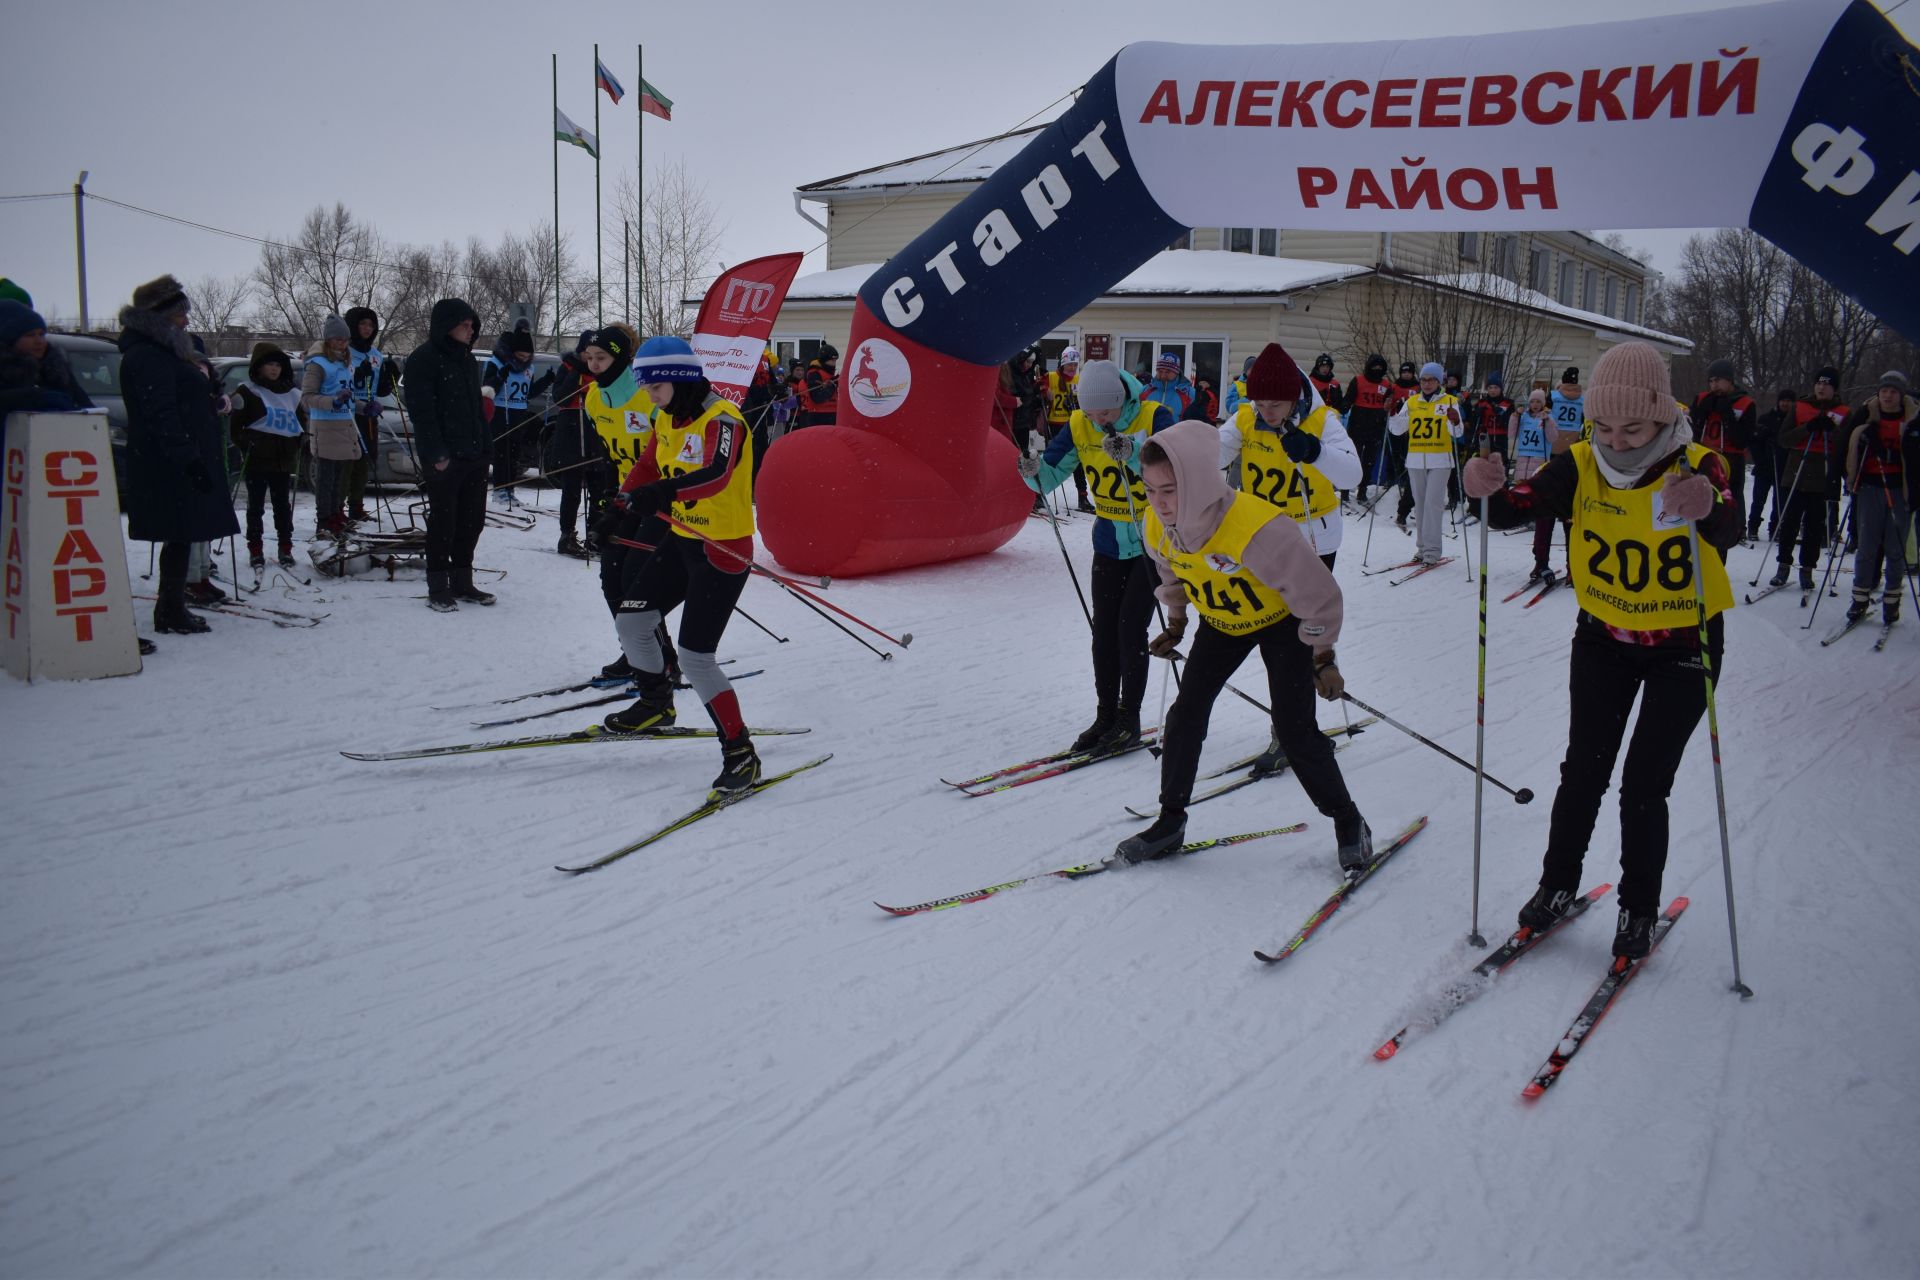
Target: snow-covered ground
267	1011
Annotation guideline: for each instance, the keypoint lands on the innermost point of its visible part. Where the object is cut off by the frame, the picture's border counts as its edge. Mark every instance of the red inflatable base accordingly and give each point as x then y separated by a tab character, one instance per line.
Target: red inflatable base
913	474
845	502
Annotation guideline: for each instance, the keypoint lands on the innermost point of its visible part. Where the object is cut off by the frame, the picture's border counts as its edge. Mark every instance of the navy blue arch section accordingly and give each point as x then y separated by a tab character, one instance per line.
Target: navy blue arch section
1859	81
1107	225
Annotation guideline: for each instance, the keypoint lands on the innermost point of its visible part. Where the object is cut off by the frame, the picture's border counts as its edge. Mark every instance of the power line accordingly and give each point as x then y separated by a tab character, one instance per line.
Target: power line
50	195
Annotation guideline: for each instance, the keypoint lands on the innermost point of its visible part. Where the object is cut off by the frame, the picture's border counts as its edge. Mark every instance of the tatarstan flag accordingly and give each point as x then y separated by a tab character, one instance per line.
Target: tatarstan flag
655	102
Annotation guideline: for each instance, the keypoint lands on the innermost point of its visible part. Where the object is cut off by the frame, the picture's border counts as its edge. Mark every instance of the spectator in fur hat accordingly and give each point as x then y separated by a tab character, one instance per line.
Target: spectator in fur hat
174	448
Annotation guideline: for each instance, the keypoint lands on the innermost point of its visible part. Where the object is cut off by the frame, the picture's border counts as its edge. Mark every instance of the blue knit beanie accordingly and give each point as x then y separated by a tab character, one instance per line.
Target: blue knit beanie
16	322
1431	369
667	359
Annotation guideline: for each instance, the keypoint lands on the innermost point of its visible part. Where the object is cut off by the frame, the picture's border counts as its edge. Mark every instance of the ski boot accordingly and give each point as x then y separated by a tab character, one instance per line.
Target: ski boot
618	669
1270	761
204	593
464	590
286	555
1546	908
1806	578
1355	839
1779	578
439	593
1123	732
652	710
1164	837
172	617
1857	609
1890	609
1633	936
570	546
1102	722
739	767
256	558
1540	574
1085	506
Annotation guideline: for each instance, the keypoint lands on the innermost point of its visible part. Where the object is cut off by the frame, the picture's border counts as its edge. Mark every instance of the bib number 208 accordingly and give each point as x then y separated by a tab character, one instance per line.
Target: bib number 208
1634	564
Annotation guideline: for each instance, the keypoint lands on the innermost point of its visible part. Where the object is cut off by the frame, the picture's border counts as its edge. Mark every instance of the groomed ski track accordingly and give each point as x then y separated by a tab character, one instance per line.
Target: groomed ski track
268	1011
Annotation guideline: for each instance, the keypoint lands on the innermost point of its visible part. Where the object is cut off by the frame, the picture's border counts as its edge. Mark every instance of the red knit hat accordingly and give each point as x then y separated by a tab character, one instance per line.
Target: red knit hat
1274	375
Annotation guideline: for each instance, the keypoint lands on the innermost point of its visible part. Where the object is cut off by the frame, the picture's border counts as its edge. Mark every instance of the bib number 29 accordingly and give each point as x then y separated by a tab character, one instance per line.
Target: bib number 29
1630	564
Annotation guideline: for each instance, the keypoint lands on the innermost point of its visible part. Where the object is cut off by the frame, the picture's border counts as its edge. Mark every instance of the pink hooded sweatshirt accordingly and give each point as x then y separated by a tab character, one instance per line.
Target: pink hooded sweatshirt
1279	555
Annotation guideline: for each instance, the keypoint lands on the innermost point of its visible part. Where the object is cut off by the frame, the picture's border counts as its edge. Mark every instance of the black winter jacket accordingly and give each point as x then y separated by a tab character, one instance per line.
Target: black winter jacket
442	391
176	464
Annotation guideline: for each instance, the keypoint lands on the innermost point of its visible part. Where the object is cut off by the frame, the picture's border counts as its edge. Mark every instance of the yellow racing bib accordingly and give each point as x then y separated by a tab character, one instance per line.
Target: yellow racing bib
623	427
1230	598
680	450
1267	472
1427	428
1110	483
1632	567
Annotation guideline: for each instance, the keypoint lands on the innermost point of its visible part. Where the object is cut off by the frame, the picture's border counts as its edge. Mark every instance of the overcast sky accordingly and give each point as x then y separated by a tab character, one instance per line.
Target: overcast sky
432	119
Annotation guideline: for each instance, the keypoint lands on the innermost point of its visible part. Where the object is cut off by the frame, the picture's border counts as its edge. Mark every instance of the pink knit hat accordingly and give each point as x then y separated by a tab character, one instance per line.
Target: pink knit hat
1631	382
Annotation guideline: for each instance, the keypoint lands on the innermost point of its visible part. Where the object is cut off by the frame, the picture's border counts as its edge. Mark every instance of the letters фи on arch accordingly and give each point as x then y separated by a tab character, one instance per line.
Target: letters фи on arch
1791	118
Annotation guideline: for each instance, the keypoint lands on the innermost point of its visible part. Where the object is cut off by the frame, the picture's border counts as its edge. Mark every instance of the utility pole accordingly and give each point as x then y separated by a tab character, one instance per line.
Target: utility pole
80	241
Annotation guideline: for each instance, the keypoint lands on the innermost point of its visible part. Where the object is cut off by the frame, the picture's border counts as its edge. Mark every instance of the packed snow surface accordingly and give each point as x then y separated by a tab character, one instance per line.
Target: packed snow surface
267	1011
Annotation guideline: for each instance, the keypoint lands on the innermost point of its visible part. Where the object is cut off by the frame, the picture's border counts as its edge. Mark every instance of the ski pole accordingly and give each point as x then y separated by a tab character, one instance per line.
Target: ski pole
1833	561
1159	613
1480	728
756	622
1523	796
1055	522
905	637
1713	737
1779	523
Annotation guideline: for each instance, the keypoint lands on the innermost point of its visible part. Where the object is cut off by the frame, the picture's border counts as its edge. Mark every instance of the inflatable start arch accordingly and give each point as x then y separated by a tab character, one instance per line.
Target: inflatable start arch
1800	120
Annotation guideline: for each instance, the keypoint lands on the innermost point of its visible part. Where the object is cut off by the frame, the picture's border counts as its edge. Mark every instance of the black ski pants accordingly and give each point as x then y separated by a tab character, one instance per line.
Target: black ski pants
680	575
596	478
1605	677
1122	612
1805	520
1214	658
261	485
456	513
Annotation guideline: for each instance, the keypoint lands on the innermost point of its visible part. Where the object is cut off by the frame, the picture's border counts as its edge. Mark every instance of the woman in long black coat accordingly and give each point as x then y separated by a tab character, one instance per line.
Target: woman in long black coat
176	493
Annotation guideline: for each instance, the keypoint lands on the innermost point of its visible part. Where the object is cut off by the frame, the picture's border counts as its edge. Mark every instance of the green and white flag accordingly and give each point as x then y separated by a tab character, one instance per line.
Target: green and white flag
567	131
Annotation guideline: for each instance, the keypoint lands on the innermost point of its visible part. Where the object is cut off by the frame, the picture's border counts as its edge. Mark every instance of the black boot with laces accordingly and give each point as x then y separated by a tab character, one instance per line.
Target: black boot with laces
1165	836
1546	908
739	767
1102	721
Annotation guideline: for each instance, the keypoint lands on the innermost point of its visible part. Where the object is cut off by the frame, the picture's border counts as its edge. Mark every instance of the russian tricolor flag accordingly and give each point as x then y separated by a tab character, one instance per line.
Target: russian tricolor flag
604	78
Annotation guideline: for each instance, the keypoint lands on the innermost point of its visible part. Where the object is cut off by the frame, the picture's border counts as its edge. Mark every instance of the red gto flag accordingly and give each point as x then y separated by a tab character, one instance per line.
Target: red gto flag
736	319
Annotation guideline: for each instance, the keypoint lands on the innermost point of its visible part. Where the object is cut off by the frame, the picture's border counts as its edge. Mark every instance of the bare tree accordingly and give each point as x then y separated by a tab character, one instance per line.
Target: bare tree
520	268
1471	320
217	303
332	263
677	251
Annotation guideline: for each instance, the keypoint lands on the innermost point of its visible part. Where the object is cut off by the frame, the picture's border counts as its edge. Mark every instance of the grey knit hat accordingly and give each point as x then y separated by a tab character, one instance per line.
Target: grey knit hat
334	329
1894	378
1100	386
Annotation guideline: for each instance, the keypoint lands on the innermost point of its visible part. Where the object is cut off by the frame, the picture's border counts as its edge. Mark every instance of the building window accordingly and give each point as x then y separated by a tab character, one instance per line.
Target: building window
1565	293
1470	246
1540	271
1506	256
1269	242
1633	305
1239	240
1589	281
1613	295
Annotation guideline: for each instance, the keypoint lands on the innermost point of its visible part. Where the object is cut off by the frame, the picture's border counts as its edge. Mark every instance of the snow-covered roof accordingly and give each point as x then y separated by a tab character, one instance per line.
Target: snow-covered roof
1507	291
968	162
1203	272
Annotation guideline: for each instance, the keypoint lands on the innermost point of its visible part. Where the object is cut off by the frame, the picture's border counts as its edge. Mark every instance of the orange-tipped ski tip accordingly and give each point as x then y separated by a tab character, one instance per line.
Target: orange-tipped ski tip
1387	1050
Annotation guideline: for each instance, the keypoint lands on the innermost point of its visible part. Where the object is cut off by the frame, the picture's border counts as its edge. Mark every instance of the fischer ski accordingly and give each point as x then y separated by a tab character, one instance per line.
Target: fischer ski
1886	629
714	804
1541	594
628	691
592	733
1038	762
1339	730
1338	897
1079	871
1224	789
1068	765
1479	978
1392	568
1424	568
597	682
1619	974
1755	597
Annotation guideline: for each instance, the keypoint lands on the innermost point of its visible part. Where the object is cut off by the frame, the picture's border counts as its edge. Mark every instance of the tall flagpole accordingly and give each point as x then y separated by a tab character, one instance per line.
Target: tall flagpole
599	302
640	179
556	203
